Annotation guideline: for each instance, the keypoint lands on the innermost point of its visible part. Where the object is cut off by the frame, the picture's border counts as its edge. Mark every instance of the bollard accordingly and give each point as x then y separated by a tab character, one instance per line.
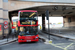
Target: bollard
40	26
50	41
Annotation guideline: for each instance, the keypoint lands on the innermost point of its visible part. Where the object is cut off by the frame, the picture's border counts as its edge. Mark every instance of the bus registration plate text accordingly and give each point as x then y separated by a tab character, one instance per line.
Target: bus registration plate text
28	40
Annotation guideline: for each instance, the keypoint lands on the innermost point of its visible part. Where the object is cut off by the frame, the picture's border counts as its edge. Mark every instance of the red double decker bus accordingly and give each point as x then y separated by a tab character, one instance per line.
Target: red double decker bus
27	26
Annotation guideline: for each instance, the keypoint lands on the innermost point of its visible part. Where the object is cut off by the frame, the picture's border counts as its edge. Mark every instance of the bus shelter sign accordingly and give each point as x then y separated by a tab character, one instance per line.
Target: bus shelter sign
29	22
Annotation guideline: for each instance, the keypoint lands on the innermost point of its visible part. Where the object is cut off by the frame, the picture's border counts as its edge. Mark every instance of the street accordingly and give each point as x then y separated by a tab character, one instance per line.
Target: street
60	42
50	22
57	44
29	46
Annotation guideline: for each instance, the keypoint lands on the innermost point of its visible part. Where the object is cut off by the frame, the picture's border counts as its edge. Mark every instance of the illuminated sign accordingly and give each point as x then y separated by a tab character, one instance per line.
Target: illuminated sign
32	14
25	22
29	23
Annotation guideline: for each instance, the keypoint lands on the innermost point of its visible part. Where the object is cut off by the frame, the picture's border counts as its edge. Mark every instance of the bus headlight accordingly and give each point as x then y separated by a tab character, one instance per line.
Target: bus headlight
36	37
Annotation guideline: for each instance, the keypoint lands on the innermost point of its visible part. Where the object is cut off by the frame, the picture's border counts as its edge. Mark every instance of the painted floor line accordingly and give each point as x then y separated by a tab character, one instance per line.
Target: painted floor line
57	46
61	43
68	45
66	48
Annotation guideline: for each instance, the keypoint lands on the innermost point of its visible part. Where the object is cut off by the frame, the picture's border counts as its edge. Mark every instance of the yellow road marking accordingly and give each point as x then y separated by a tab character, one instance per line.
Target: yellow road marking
59	43
56	46
61	47
63	44
65	49
68	46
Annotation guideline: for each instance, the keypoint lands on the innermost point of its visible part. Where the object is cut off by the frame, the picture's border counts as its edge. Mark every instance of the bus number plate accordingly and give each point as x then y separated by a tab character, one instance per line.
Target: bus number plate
28	40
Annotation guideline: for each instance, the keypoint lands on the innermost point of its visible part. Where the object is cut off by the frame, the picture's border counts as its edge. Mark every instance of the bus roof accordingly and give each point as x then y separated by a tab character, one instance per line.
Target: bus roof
27	11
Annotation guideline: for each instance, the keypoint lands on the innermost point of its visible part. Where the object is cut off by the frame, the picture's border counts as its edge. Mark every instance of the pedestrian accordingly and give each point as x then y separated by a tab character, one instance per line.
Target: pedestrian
16	33
13	33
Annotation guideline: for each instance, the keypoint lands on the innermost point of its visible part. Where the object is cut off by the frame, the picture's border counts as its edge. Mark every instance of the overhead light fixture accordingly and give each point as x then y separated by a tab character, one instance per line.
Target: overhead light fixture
55	8
69	12
63	8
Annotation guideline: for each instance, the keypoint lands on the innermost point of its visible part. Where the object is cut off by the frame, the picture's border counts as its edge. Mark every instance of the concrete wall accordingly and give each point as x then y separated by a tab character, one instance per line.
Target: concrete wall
67	23
6	6
15	5
3	17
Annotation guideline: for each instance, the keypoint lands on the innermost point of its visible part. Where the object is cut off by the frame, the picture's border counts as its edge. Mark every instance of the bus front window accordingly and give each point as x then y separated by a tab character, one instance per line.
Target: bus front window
29	31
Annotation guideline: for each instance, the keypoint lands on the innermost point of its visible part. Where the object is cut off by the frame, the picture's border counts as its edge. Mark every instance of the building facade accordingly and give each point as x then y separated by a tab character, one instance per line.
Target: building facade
7	6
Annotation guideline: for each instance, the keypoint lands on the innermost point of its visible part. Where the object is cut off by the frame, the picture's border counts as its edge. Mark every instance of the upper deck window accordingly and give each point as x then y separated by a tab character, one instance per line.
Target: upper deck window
28	18
28	14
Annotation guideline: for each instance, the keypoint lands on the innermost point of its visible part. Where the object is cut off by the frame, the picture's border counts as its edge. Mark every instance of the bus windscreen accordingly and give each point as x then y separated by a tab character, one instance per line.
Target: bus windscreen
24	31
28	18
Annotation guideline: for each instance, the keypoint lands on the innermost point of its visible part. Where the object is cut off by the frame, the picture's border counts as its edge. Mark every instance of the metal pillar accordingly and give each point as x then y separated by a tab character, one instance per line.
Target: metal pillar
47	16
43	22
48	29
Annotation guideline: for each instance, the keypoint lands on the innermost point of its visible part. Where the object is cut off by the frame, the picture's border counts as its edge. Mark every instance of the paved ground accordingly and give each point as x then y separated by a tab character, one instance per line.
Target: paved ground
29	46
60	42
63	32
57	44
6	41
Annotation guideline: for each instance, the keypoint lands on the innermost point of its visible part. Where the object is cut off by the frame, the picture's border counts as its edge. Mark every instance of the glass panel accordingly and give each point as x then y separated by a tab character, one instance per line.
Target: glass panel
28	14
28	18
28	31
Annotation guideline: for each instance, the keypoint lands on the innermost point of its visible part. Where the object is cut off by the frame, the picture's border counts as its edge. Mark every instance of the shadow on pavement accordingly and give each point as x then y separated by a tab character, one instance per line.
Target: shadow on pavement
28	42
